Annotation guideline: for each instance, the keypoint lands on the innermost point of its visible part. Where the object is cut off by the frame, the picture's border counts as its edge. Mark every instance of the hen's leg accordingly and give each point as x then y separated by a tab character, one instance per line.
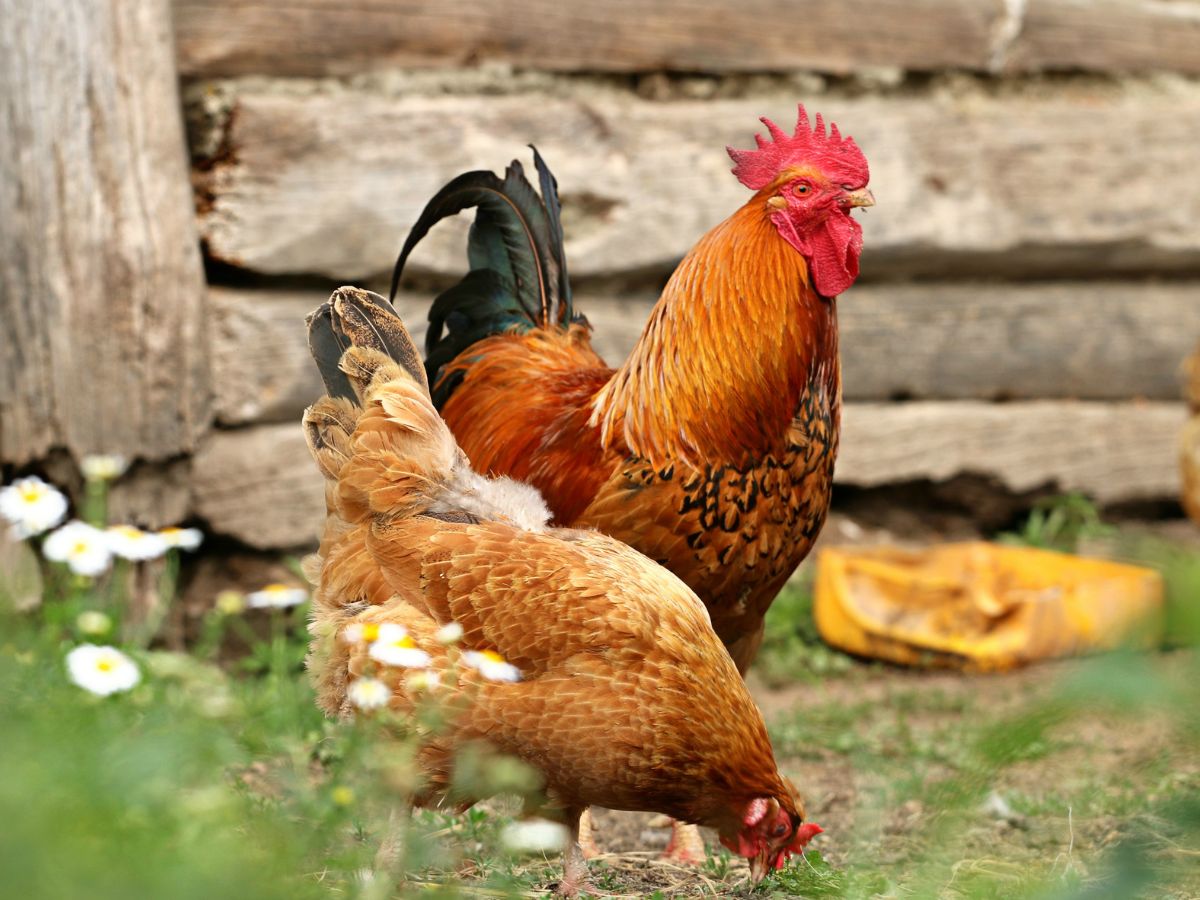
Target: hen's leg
391	848
686	845
575	871
587	836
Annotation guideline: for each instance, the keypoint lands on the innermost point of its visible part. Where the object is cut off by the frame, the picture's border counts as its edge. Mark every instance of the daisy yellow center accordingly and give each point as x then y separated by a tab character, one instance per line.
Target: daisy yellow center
128	531
105	665
31	493
492	656
79	548
276	589
404	642
171	531
370	631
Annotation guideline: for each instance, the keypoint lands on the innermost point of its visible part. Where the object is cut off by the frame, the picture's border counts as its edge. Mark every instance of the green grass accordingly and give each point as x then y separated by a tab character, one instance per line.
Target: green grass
791	649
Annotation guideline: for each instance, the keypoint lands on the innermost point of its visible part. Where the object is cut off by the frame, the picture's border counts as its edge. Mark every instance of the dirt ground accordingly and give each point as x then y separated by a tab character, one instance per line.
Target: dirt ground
891	764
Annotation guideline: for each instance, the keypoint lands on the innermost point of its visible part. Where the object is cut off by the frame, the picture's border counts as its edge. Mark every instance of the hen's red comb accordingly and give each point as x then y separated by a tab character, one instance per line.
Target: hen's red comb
804	834
833	154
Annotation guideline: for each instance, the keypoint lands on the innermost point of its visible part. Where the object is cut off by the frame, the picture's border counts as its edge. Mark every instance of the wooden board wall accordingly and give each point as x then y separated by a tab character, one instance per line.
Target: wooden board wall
1031	277
101	283
343	37
1044	182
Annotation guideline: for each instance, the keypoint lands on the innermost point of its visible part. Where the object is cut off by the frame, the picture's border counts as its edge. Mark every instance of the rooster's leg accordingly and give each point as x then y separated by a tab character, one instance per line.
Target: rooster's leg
575	871
686	845
587	837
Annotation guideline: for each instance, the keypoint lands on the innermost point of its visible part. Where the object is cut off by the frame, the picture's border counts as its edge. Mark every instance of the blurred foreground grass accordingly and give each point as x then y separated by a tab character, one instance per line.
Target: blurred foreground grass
208	780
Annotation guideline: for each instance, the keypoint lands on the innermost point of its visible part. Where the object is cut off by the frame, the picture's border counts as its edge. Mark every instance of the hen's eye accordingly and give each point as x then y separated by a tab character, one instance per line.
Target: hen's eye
801	189
780	830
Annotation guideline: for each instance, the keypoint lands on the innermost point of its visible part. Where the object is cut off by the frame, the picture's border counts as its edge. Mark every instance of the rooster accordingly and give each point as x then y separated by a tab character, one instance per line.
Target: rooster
711	449
627	697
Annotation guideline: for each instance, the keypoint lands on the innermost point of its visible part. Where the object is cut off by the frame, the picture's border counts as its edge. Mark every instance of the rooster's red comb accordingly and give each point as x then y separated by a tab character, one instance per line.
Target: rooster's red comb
838	157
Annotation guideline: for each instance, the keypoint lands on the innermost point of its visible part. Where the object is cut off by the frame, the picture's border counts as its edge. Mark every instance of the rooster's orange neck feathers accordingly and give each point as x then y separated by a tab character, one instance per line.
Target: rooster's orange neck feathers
731	347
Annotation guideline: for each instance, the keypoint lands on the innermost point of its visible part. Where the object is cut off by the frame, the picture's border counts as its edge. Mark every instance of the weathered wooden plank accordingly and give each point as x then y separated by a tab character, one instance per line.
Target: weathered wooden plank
1113	452
101	284
277	37
1094	341
262	371
1064	180
1105	36
260	485
1087	340
274	37
1026	340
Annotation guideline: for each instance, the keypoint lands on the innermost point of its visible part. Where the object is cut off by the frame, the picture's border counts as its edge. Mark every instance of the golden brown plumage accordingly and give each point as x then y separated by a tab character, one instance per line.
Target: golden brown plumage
627	699
710	450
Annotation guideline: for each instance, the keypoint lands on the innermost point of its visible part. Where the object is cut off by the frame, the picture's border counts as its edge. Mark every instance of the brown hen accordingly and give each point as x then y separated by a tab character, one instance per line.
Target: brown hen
626	699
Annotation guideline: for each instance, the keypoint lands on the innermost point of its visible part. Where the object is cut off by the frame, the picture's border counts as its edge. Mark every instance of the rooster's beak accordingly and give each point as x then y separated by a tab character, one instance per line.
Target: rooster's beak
861	197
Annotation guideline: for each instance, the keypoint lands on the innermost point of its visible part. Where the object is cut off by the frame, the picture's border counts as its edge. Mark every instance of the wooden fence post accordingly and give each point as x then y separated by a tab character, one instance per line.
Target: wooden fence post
102	295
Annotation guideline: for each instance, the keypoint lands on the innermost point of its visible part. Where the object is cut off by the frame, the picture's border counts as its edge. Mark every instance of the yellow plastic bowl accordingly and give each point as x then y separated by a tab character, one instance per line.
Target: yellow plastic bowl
981	606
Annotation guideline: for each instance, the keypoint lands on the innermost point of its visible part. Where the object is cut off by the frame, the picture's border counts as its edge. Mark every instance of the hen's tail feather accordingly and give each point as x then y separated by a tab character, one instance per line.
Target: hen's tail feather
356	318
327	344
518	278
377	435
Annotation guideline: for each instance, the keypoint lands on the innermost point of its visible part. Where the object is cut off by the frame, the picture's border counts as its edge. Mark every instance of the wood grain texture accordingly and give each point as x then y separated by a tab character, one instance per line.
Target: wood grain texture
260	485
1111	451
1085	340
101	284
262	370
1106	36
1062	180
239	37
328	37
1041	340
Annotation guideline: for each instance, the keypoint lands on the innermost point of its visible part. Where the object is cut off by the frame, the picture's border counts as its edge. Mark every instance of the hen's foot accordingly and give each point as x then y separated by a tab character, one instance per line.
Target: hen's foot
686	847
575	873
587	837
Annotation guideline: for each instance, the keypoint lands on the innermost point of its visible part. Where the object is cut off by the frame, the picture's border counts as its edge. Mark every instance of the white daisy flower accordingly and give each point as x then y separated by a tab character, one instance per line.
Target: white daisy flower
93	622
491	665
103	466
84	548
534	836
361	633
32	506
134	544
394	647
369	693
276	596
102	670
422	680
450	633
182	538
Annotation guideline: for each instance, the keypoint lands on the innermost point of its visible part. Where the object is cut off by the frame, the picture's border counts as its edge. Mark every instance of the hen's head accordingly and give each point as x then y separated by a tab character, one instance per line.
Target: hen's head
770	831
809	181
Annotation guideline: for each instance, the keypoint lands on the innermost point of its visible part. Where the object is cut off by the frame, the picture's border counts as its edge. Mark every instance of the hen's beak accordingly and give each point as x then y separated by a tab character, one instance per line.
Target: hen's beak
861	197
759	866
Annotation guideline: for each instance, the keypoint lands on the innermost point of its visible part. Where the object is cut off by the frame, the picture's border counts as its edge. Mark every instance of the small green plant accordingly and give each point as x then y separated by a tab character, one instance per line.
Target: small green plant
792	649
1060	523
